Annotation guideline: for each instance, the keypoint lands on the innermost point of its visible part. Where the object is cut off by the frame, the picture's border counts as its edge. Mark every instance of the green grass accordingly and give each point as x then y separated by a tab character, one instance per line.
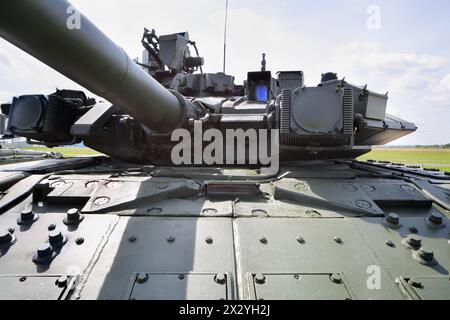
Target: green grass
68	152
429	158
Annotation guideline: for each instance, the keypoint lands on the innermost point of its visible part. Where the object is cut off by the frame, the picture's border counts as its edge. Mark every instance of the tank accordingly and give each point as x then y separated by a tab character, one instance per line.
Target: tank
207	189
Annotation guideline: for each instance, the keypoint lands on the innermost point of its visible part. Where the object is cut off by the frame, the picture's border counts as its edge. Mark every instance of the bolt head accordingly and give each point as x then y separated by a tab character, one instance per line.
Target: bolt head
62	281
171	239
56	238
263	240
181	276
435	218
51	227
6	237
79	241
44	250
142	278
209	240
220	278
73	217
260	278
73	214
426	254
336	278
300	240
132	239
414	241
393	218
389	243
55	235
27	215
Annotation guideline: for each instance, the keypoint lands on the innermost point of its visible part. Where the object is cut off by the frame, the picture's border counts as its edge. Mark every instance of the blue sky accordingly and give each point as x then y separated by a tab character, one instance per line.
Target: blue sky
407	56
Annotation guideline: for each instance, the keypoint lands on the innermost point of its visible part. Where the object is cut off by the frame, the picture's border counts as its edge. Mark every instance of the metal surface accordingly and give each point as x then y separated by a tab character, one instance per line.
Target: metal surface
131	225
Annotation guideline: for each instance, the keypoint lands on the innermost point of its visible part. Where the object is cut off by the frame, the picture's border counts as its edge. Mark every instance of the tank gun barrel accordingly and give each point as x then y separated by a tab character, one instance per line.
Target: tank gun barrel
54	32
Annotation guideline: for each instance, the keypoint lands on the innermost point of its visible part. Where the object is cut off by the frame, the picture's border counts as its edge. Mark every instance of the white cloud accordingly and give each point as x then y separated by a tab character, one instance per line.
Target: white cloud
5	97
441	97
414	80
370	55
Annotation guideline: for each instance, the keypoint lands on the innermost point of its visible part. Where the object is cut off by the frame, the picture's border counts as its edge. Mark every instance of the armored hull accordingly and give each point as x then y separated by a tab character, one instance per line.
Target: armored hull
317	230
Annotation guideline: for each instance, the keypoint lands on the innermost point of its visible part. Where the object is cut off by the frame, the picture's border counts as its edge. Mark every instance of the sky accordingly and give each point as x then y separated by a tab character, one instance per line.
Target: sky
400	47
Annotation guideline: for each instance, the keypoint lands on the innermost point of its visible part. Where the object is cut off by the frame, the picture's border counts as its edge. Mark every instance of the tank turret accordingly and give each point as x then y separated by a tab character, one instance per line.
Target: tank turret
164	92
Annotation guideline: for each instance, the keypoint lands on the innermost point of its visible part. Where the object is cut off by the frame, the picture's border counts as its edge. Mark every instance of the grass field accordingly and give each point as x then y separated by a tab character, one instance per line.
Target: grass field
68	152
429	158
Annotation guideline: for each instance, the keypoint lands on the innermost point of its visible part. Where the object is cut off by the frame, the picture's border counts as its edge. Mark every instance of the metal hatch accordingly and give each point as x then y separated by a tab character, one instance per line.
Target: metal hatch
180	286
36	287
300	287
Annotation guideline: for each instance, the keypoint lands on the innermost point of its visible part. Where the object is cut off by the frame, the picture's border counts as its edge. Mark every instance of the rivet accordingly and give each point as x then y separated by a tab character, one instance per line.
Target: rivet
363	204
141	278
51	227
263	240
154	211
101	201
259	213
260	278
413	230
407	187
79	241
350	187
92	184
300	240
313	213
58	183
389	243
337	240
171	239
162	185
132	239
113	184
181	276
22	279
220	278
209	211
209	240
